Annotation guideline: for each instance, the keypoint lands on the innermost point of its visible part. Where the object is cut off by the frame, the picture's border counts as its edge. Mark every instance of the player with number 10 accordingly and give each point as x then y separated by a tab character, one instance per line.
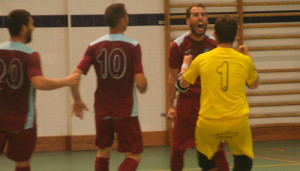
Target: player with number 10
118	66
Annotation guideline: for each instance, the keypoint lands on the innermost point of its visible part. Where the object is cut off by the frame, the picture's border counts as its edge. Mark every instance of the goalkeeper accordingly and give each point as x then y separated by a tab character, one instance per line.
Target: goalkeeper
224	108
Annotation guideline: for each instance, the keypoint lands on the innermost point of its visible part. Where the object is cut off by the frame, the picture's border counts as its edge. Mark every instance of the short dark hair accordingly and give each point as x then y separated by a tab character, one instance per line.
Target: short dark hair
188	10
225	29
114	13
16	19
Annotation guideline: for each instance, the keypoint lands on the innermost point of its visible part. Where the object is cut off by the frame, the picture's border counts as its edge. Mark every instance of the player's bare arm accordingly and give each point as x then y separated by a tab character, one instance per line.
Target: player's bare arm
187	60
78	105
254	84
75	93
172	78
141	82
243	49
182	85
44	83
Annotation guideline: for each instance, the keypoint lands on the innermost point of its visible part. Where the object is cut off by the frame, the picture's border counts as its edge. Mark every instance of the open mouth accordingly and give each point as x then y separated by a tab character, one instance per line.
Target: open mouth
200	25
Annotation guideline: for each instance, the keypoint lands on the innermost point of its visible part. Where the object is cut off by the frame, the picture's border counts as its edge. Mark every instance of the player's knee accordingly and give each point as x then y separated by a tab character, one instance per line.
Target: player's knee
136	157
205	163
242	163
23	163
104	152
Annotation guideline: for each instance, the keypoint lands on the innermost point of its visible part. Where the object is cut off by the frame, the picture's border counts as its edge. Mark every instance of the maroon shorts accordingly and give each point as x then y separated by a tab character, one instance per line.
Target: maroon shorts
128	132
20	145
187	109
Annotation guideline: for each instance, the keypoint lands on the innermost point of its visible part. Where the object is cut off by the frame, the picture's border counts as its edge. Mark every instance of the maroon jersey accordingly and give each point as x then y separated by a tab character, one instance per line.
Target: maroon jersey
185	45
18	63
115	59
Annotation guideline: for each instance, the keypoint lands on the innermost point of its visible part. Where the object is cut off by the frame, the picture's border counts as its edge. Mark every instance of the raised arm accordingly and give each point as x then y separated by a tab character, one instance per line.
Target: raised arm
243	49
182	85
255	84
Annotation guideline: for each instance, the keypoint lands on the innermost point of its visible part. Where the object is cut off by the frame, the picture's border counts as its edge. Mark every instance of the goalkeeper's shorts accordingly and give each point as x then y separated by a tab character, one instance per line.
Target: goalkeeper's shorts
236	132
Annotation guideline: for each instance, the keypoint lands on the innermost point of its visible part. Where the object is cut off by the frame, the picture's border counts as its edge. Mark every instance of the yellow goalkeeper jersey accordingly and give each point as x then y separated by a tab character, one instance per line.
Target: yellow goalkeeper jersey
224	73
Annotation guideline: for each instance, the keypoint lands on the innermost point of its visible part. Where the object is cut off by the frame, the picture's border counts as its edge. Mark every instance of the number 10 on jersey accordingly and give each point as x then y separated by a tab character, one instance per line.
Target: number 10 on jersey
112	64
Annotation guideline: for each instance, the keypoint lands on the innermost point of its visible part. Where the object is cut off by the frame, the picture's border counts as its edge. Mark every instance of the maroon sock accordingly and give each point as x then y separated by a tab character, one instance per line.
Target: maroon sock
22	168
129	164
177	160
101	164
221	161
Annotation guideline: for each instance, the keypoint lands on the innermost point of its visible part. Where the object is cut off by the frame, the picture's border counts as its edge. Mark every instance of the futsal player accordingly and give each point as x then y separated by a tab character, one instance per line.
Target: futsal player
224	108
191	43
20	75
117	61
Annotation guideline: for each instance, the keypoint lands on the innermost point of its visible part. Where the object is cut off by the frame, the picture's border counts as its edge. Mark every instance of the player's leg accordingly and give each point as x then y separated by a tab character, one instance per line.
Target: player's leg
205	163
183	135
177	151
3	140
23	166
102	159
242	163
104	140
218	162
130	163
220	158
20	148
207	143
130	142
241	144
176	162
